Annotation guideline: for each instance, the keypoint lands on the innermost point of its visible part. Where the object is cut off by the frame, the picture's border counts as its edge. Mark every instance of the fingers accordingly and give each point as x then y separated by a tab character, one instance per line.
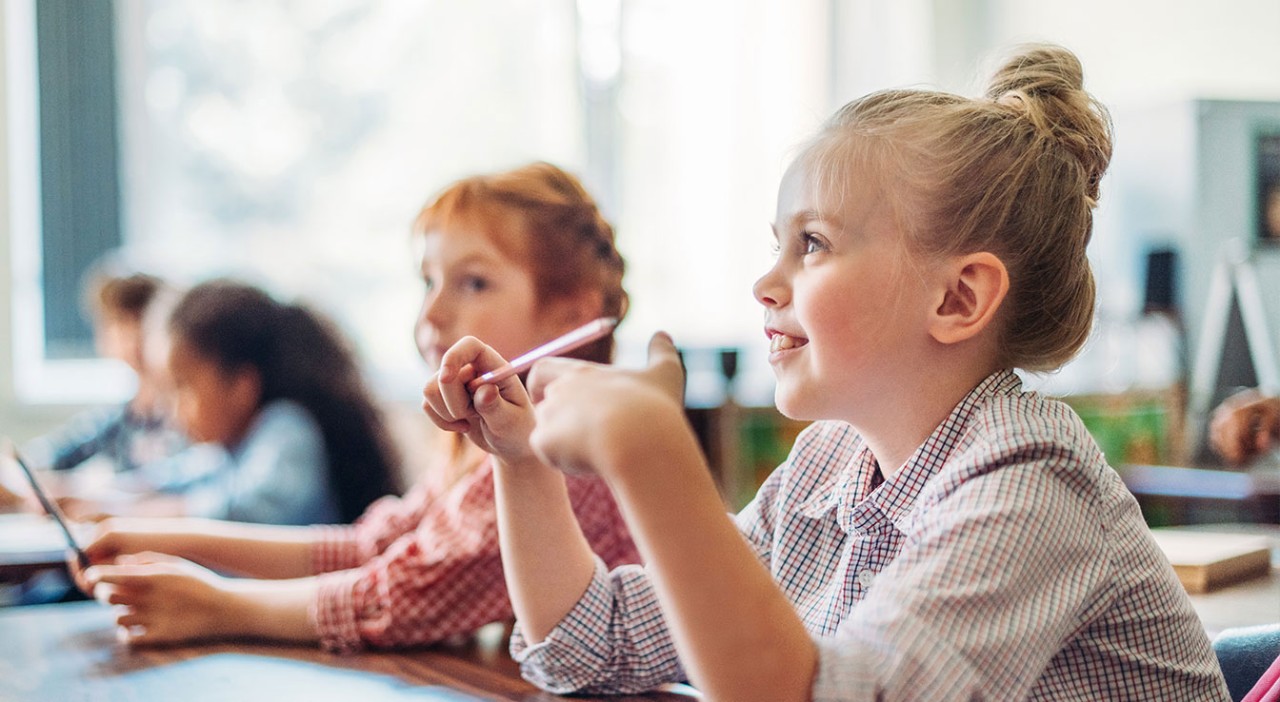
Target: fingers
141	628
446	398
1239	432
500	411
141	572
105	543
665	366
1226	435
134	577
547	370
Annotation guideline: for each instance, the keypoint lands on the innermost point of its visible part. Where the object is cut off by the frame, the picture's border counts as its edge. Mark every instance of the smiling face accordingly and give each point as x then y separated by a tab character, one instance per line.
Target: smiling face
474	289
845	306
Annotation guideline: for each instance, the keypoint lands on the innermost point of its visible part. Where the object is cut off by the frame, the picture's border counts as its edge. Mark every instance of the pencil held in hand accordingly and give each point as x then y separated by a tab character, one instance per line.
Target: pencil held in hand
577	338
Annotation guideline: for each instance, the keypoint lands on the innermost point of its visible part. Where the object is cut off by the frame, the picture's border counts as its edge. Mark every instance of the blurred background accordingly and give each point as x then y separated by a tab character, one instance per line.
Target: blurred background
292	142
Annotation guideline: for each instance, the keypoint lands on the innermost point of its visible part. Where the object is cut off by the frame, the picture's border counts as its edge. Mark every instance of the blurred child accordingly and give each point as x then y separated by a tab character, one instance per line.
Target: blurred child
517	258
140	431
278	388
937	533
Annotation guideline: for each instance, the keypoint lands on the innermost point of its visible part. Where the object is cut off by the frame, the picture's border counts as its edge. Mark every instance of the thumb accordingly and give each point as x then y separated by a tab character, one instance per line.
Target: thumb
500	408
666	365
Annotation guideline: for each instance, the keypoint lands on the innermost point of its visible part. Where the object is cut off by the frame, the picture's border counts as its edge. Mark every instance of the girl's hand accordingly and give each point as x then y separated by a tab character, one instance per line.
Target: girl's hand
497	417
591	417
1244	426
116	537
166	599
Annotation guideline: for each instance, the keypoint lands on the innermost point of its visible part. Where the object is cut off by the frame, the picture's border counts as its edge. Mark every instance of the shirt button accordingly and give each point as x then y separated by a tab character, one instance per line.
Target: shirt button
865	578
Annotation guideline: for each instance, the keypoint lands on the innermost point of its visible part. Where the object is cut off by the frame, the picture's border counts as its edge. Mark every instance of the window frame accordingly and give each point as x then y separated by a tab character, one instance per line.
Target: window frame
38	379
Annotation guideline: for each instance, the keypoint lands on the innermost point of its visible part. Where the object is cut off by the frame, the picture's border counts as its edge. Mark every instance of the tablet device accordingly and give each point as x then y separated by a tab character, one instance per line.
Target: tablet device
52	508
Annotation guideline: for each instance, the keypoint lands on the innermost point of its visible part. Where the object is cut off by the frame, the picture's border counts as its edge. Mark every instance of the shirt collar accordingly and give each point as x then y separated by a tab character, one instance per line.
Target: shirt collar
863	509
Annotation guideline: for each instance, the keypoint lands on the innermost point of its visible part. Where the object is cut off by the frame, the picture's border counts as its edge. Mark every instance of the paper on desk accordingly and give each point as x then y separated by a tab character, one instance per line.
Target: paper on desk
29	533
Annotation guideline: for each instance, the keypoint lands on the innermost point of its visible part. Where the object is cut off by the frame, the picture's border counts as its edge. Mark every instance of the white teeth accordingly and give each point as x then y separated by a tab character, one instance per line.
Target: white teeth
781	342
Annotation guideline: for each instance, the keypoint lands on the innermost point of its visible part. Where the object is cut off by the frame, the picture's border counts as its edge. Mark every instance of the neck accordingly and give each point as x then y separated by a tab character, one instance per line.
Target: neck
920	403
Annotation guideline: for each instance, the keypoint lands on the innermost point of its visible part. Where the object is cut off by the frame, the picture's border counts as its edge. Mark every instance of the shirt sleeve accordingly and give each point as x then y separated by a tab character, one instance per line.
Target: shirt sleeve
278	476
615	639
991	582
441	579
385	521
82	437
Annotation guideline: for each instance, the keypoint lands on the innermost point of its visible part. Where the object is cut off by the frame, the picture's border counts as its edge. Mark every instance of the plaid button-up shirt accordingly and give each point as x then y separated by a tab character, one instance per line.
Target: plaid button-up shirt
425	567
1004	561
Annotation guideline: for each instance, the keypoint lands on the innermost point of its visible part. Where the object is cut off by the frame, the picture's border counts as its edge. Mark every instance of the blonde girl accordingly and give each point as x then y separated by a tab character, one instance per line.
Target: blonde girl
938	533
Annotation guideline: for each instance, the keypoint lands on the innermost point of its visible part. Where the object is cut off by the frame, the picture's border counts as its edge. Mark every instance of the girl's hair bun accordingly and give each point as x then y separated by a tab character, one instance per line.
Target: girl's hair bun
1045	83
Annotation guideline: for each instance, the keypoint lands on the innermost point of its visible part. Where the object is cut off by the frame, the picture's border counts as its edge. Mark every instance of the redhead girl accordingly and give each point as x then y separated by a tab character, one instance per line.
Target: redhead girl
518	258
938	533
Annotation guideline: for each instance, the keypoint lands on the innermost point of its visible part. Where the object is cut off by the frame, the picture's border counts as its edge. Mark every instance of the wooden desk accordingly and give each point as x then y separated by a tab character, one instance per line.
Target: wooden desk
69	652
29	543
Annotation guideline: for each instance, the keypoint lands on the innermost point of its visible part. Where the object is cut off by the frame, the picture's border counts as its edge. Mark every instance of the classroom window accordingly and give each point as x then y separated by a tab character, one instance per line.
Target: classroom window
291	143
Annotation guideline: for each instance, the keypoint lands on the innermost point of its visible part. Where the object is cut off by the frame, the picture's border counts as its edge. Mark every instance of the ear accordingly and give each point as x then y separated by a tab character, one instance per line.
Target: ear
974	287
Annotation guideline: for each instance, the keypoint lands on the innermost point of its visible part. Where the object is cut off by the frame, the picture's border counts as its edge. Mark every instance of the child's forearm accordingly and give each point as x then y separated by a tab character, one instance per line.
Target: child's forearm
251	550
546	559
737	634
274	610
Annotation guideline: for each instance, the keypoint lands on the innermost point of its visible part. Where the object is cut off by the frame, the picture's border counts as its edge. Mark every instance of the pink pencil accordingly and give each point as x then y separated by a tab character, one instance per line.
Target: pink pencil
581	336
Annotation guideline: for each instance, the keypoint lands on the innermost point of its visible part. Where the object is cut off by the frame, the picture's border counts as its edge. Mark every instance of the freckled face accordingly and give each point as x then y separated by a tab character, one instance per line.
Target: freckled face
474	289
841	312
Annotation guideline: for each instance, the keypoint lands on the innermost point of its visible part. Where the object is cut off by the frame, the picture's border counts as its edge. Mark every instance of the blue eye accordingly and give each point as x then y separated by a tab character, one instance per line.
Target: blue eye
429	283
810	243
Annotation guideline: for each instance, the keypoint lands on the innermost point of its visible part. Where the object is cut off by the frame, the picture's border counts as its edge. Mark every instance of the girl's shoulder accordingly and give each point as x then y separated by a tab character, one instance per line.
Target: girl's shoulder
285	417
1026	438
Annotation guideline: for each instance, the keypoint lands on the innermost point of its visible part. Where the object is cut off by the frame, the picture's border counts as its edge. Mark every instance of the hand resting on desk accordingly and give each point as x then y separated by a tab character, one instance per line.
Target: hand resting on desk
167	600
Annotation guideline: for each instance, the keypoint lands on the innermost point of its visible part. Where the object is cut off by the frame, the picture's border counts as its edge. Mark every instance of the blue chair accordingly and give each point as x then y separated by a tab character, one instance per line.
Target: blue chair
1245	654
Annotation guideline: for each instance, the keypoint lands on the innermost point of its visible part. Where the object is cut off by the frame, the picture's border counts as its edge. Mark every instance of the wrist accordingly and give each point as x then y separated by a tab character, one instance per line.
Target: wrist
276	610
661	440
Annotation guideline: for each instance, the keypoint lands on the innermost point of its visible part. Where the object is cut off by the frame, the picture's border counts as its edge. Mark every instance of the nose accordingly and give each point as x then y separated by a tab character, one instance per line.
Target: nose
431	316
434	308
770	289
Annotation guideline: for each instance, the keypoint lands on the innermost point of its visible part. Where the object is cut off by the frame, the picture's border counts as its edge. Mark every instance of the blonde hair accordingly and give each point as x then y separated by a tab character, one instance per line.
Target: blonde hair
1015	173
542	215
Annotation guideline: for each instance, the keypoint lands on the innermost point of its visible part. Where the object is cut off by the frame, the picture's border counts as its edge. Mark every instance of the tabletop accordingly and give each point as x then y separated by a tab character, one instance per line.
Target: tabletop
69	652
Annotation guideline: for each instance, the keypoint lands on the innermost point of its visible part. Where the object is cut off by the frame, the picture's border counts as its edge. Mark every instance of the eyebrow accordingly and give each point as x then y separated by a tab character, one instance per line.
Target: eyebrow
807	215
467	260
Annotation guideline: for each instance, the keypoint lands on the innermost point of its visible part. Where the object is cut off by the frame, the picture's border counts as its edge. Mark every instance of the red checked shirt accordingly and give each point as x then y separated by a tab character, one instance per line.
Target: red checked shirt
1004	561
422	568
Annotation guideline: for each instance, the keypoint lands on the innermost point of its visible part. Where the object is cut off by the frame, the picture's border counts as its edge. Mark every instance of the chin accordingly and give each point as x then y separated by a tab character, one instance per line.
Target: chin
792	406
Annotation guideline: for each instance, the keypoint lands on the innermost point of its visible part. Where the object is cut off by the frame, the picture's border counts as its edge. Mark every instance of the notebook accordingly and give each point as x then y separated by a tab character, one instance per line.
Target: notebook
1206	561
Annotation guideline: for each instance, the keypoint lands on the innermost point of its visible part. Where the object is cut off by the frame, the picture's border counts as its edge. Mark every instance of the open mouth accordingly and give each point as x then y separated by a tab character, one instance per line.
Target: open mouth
783	342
